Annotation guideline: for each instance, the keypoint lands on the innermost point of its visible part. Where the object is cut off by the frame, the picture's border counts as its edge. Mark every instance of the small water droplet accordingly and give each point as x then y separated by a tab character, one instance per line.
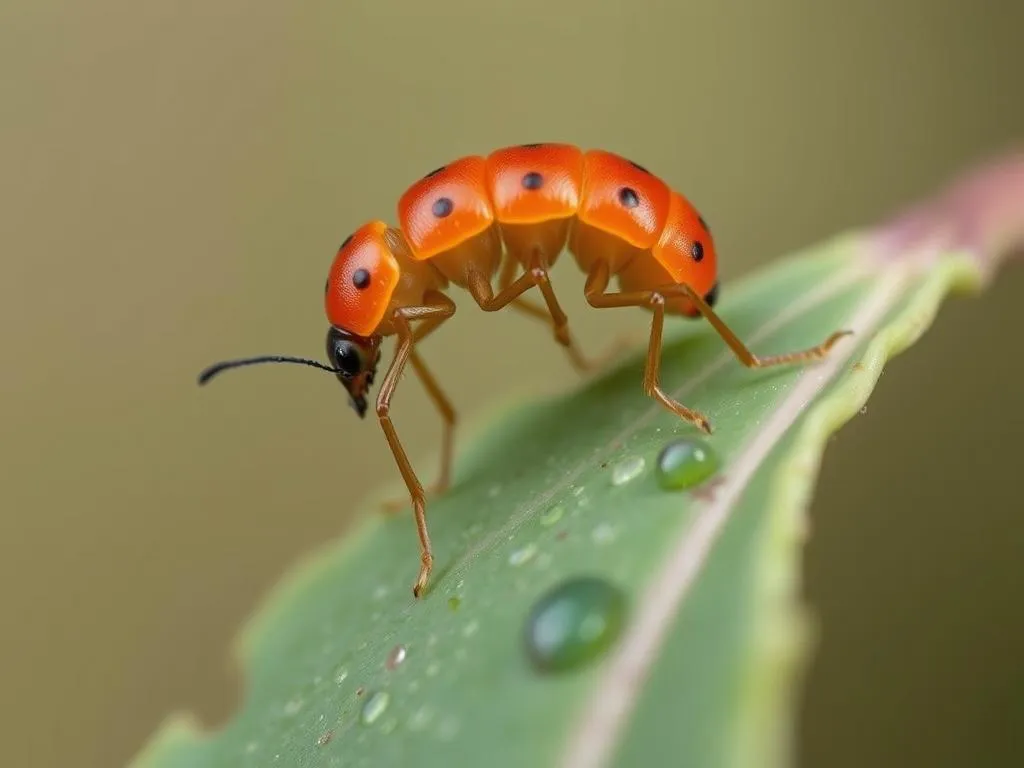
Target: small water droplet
293	706
420	719
470	629
374	707
627	470
380	592
553	515
389	725
341	675
578	490
604	533
325	737
448	729
864	410
251	747
318	679
522	555
494	491
454	602
432	669
573	623
395	657
686	463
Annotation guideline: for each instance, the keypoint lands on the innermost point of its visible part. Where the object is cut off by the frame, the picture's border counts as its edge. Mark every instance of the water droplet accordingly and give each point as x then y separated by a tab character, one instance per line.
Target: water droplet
494	491
470	629
574	623
251	747
380	592
325	737
389	725
578	490
420	719
454	602
432	669
627	470
604	533
686	463
293	706
341	675
374	707
448	729
522	555
395	657
552	516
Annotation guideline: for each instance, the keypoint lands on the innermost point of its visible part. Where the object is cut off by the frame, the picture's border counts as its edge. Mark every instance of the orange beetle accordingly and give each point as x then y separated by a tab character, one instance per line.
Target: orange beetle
479	217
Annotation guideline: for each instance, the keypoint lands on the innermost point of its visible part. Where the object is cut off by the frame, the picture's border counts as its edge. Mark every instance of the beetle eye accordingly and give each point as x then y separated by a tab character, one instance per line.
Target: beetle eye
345	357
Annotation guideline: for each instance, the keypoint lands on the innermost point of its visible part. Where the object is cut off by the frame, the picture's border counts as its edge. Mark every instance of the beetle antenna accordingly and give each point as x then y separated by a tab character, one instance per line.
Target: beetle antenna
213	370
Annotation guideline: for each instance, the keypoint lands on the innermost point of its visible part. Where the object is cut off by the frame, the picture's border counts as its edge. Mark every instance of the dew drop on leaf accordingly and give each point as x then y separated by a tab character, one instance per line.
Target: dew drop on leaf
395	657
603	534
420	719
574	623
552	516
522	555
685	463
627	470
374	707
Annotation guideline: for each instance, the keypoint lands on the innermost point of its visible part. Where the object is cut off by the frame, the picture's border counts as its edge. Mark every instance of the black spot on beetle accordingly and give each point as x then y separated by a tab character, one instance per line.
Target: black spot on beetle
442	207
327	285
348	240
533	180
628	197
697	251
361	278
711	297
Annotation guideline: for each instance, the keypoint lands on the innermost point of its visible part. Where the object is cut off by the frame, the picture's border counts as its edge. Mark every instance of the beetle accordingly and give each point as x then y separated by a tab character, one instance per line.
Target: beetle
511	214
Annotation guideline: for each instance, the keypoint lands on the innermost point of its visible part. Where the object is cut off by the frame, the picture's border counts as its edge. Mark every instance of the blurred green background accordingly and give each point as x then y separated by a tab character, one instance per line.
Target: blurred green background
176	178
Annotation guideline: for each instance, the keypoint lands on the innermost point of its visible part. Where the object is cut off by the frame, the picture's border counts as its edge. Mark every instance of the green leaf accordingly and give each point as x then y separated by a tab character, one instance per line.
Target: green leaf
713	638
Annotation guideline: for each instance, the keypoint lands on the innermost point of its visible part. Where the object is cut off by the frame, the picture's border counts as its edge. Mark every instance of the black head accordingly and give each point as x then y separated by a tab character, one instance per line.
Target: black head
354	359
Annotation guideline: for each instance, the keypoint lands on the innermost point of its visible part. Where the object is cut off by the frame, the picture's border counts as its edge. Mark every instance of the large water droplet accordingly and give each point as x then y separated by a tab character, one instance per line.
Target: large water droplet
574	623
627	469
395	657
686	463
374	707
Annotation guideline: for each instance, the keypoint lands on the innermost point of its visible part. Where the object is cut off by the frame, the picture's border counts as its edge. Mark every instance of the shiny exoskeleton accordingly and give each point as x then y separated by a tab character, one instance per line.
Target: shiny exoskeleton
510	215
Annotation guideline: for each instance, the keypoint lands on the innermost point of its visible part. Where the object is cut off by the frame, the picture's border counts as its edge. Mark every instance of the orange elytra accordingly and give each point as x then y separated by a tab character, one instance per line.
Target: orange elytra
507	214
